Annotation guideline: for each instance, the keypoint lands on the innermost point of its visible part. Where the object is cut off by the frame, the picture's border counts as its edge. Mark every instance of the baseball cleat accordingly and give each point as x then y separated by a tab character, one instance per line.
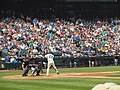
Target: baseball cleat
24	75
47	75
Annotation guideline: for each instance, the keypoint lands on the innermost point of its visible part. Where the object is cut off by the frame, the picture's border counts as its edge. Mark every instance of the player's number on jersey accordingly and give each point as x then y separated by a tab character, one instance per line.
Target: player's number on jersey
51	57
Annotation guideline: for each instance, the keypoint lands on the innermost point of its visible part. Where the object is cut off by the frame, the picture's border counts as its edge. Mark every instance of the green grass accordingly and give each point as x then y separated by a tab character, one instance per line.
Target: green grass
91	69
57	84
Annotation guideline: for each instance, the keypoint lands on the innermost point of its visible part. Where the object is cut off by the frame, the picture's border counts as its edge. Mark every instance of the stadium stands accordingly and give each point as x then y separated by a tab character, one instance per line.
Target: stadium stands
32	30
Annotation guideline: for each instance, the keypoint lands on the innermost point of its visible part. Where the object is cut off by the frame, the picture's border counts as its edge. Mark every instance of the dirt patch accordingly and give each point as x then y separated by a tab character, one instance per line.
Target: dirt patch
66	75
4	70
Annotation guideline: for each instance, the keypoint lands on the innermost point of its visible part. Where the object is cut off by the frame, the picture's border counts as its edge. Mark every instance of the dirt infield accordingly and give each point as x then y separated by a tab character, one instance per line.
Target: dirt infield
66	75
4	70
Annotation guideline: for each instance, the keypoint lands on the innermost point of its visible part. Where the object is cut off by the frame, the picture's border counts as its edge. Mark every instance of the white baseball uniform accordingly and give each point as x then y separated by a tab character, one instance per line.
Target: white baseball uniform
50	60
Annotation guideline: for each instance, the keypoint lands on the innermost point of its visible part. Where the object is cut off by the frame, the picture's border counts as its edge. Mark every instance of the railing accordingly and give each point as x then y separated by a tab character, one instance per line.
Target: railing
70	62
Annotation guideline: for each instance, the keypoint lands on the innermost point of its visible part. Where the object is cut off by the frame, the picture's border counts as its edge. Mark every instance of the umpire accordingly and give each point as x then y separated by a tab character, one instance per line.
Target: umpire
26	66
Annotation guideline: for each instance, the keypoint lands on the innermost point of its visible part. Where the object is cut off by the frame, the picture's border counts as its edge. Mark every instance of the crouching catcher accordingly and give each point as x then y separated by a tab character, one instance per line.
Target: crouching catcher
38	69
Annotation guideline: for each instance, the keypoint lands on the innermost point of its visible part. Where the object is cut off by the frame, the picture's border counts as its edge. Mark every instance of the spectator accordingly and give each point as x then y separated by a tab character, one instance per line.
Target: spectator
75	37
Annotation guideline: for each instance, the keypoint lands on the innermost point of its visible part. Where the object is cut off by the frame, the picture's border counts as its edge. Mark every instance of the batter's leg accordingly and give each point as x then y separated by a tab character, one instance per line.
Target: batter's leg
55	68
48	68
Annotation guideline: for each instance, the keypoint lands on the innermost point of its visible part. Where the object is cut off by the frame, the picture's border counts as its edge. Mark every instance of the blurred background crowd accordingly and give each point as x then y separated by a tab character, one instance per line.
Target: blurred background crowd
39	30
73	37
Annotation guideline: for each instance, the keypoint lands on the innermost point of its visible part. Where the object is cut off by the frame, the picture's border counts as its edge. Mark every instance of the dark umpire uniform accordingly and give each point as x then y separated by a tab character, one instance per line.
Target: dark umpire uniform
31	64
26	66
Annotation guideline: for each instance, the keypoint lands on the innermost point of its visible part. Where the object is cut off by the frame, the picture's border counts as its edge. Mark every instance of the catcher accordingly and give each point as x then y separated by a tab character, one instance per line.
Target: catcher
38	69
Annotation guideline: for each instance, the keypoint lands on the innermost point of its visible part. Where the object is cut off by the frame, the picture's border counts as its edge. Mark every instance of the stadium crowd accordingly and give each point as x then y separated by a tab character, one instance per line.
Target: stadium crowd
25	36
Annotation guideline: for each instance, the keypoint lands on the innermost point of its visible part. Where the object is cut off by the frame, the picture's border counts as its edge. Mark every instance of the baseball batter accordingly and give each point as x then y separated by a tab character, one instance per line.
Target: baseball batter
50	60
